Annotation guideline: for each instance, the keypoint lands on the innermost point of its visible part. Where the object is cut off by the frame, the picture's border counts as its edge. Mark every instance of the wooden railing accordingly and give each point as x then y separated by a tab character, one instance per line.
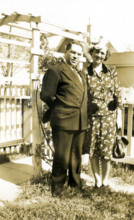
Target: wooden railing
11	117
128	126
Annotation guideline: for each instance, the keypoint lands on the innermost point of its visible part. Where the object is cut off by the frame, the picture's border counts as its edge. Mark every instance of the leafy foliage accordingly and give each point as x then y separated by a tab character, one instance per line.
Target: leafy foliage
13	52
48	59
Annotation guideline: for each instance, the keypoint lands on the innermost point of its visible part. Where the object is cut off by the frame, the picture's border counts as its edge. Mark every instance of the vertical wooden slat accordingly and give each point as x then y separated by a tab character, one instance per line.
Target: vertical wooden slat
10	118
10	110
123	119
0	112
15	114
31	127
129	128
0	119
15	124
89	31
14	119
4	124
19	118
7	120
13	91
4	110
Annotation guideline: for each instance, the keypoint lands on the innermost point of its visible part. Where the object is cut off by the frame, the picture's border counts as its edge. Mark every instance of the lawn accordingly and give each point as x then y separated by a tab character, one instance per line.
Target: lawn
36	202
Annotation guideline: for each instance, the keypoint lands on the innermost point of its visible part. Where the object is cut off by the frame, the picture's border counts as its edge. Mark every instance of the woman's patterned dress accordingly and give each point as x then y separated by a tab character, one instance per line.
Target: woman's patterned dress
103	122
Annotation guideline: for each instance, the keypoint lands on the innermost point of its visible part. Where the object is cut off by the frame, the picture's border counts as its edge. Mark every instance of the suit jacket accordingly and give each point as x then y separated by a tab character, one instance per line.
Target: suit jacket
66	96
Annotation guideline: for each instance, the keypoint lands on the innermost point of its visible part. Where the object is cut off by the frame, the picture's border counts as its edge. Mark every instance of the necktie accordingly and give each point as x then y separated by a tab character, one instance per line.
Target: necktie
77	74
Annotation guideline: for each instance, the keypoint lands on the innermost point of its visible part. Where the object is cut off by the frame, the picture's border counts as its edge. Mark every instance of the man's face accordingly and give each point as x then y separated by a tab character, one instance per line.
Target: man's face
73	54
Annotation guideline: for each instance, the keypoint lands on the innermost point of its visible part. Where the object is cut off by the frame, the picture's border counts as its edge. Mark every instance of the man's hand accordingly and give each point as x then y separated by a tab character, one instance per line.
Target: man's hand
92	108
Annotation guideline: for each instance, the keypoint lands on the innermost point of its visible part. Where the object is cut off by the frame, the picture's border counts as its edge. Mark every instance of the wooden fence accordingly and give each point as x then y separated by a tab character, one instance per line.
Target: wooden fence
12	117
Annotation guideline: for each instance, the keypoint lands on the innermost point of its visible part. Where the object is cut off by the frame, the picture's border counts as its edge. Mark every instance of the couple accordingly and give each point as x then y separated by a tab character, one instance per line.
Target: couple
75	98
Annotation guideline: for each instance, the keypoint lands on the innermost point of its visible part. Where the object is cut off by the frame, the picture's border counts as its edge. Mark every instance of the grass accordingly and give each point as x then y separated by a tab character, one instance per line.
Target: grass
123	171
36	203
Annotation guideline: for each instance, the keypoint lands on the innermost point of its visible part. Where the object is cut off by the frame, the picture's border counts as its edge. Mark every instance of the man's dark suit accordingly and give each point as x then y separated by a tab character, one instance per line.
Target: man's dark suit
66	96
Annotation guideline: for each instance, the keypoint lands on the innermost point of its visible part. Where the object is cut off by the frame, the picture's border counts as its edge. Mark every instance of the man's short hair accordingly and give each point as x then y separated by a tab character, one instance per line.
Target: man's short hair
70	43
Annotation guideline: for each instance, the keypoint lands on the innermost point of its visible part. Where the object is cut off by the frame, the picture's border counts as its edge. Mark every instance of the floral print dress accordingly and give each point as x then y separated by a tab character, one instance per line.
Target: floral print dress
103	122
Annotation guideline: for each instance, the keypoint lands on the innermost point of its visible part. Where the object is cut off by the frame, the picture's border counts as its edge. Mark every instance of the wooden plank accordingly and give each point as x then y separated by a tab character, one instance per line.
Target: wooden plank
7	80
123	118
18	26
8	120
4	125
129	128
36	51
127	159
2	120
26	121
129	102
0	116
121	65
62	33
19	17
45	21
15	119
19	118
15	42
88	37
11	142
14	97
8	60
15	34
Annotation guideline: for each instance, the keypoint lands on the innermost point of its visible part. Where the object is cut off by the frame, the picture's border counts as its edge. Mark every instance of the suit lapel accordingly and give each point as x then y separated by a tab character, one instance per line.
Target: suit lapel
83	77
72	76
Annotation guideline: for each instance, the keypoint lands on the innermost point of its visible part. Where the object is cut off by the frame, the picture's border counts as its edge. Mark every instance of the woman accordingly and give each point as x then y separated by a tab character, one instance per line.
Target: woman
103	100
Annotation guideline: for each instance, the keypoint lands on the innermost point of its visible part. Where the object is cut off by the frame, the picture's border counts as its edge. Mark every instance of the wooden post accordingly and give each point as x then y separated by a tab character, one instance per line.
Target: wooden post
129	128
89	32
36	131
87	42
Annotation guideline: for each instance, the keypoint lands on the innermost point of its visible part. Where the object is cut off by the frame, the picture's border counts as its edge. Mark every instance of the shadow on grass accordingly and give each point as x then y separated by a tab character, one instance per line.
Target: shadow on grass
4	159
90	203
16	173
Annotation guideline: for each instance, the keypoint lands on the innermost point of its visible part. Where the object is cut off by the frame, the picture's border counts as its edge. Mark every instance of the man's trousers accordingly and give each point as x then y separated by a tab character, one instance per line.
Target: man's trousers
67	156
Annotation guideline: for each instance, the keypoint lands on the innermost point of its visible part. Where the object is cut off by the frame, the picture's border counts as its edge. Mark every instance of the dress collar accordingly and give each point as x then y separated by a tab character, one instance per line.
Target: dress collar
91	72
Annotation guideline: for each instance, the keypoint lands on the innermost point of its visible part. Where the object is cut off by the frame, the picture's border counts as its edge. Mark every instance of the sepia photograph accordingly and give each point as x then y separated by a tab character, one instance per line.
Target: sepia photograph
67	110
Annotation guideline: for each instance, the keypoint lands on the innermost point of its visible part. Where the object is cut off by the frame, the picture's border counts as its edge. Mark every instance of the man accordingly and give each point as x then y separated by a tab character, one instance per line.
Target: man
64	91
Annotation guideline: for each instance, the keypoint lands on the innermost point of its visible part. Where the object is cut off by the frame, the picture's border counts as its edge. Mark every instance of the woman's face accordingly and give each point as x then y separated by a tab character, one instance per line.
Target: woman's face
99	55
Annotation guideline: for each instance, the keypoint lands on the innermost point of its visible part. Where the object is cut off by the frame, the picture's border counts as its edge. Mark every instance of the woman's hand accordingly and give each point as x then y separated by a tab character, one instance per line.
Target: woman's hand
112	106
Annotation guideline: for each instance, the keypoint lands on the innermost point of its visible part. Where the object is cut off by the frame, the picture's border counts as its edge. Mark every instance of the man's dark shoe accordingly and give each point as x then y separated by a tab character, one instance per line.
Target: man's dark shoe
56	190
57	194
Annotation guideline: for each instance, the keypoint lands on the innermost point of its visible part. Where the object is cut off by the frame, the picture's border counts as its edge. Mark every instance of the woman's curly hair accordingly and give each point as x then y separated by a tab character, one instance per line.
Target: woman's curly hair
99	45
